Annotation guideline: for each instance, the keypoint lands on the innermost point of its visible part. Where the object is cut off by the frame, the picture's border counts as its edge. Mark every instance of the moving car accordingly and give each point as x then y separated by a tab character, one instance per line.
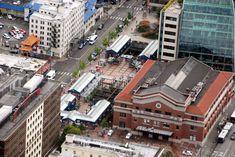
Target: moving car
232	136
6	36
110	132
187	153
101	26
92	39
9	17
128	135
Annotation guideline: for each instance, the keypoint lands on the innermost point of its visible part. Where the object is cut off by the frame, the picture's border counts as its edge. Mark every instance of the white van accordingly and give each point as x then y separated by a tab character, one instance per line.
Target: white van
9	17
92	39
51	74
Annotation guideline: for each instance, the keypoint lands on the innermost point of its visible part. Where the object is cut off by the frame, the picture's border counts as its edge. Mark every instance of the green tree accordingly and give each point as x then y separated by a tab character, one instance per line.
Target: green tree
129	15
118	29
104	123
106	42
112	35
71	129
89	58
76	73
98	50
125	22
82	65
167	153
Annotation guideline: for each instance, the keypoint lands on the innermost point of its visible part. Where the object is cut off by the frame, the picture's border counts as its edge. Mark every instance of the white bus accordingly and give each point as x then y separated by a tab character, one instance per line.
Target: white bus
92	39
232	118
228	126
222	136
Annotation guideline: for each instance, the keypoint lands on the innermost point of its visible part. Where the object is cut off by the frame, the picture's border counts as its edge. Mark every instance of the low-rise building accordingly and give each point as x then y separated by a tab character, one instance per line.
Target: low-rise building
178	101
90	147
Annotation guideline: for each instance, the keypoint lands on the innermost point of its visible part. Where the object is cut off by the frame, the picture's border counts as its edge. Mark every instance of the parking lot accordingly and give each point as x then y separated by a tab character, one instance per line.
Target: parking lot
8	25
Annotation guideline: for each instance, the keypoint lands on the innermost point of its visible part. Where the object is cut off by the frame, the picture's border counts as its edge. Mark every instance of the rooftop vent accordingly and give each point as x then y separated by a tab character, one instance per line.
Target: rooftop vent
196	90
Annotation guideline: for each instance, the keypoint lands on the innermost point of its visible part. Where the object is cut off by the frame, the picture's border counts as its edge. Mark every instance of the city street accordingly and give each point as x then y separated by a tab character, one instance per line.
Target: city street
211	148
65	67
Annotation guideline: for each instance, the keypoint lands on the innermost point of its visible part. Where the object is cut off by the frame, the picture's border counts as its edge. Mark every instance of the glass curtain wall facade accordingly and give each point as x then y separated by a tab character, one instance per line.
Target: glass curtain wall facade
207	32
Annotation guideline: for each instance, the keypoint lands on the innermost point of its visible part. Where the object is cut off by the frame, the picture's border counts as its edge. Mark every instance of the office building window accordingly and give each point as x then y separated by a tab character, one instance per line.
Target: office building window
193	117
192	127
122	114
171	18
170	33
166	125
168	54
148	110
168	113
123	105
122	124
157	111
169	47
169	40
170	26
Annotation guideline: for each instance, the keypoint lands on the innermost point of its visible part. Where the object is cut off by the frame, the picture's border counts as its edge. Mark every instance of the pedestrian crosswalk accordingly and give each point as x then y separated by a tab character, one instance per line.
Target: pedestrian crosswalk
117	18
131	7
64	73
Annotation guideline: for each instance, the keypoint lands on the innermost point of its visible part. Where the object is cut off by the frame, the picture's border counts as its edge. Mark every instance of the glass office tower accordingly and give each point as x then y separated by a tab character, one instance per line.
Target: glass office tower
207	32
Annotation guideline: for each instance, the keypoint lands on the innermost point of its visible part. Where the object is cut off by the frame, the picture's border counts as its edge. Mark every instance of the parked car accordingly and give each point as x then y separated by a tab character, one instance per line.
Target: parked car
82	43
110	132
15	28
17	46
14	51
22	31
128	135
232	136
6	36
101	26
7	44
187	153
1	25
17	36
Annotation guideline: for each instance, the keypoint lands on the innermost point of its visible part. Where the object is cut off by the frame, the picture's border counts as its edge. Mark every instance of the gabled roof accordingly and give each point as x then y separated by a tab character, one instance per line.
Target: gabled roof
119	43
150	49
211	94
166	90
82	82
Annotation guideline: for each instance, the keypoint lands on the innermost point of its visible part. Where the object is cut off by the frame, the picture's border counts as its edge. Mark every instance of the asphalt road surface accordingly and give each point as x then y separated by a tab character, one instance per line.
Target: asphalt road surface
65	67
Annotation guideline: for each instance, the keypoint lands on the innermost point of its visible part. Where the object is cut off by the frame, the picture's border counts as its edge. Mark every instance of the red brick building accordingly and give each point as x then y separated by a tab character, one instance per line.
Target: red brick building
178	101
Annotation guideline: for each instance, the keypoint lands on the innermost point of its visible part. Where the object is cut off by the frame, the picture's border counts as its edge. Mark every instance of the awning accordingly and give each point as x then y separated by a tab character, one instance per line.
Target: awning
24	48
153	130
31	40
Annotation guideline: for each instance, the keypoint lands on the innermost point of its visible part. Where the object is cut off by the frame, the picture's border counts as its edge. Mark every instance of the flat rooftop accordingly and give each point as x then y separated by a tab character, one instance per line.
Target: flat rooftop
9	75
174	8
121	150
27	64
9	126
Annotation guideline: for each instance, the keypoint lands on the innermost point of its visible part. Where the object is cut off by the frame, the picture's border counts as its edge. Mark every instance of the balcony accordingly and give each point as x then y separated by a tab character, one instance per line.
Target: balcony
157	115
